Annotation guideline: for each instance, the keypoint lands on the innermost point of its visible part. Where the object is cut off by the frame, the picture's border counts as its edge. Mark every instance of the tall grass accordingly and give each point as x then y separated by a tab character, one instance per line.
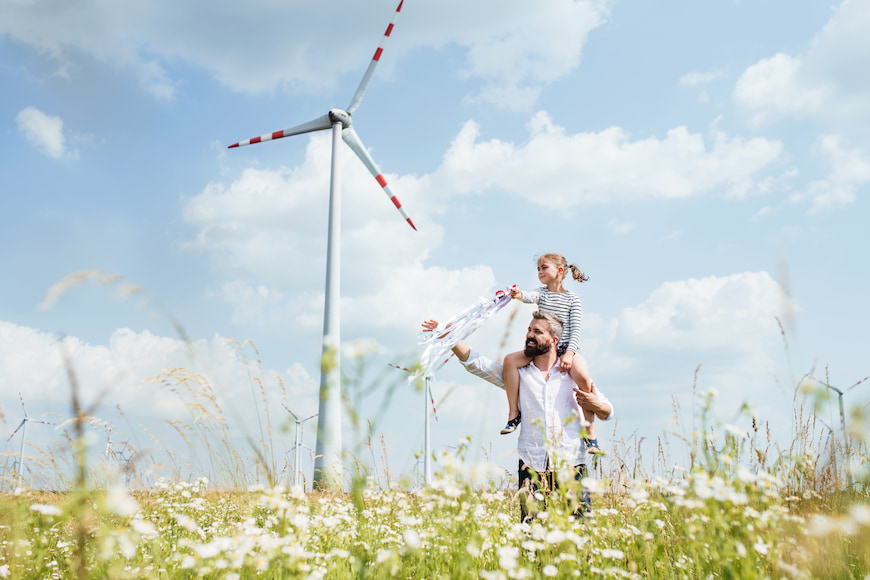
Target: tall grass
736	504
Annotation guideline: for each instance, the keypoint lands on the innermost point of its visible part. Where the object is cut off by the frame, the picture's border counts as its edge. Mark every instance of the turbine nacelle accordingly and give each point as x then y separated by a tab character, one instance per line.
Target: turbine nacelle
339	116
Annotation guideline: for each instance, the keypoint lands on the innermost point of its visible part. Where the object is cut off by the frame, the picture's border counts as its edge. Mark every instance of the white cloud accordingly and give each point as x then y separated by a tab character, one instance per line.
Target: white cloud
562	171
694	79
266	231
726	324
270	225
44	131
773	86
828	82
515	47
849	170
735	313
31	361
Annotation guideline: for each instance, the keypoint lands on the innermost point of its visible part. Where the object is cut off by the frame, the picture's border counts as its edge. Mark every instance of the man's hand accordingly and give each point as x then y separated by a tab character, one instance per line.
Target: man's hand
592	402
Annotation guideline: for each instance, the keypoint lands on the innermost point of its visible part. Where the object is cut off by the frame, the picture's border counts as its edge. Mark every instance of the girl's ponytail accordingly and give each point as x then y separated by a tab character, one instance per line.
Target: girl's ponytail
577	274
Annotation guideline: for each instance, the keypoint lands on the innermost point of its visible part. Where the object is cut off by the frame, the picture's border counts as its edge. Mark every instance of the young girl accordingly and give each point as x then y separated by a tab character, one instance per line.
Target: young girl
553	298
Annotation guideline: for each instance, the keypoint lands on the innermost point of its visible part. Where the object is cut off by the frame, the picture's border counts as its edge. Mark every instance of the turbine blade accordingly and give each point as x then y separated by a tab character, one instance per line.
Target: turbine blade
856	384
318	124
361	90
20	425
291	412
20	396
352	139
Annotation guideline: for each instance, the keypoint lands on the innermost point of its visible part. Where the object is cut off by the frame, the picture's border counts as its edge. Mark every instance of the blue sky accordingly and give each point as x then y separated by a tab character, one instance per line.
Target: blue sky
707	164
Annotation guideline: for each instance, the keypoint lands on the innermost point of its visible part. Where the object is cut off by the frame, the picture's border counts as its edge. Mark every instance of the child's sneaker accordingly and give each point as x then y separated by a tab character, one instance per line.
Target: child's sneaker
512	425
592	447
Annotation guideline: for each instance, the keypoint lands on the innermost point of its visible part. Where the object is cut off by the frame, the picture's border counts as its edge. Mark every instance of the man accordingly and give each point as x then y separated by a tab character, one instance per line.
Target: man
550	404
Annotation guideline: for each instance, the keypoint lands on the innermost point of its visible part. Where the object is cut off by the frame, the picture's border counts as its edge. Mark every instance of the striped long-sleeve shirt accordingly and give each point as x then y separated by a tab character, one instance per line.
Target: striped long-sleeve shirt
565	305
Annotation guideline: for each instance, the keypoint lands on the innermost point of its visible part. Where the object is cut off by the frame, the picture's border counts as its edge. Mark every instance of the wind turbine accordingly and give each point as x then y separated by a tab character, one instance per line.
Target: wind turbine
327	464
427	436
23	427
298	443
840	394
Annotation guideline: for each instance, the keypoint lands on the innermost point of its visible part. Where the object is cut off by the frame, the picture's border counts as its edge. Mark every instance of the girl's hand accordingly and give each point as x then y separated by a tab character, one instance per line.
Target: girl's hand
567	361
515	293
430	325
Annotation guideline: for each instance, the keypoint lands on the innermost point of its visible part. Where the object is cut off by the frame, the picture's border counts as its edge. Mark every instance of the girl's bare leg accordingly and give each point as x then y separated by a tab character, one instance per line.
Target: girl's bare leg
580	373
511	374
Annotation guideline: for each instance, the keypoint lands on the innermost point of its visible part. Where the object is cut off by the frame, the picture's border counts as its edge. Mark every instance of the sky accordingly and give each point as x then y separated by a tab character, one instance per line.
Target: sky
705	163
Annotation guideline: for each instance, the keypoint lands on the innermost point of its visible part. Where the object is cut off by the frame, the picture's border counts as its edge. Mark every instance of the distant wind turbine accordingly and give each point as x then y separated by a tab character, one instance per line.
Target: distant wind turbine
840	394
23	427
297	464
327	465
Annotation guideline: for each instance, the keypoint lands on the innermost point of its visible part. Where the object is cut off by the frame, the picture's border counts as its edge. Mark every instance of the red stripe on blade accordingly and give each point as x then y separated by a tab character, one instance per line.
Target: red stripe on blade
381	180
255	140
413	226
396	201
277	134
378	54
389	29
233	145
399	9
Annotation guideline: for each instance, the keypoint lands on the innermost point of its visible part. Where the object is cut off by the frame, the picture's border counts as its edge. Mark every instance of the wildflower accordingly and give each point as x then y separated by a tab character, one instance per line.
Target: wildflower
46	510
412	539
4	571
383	555
119	501
741	549
507	557
188	562
127	548
613	554
761	547
592	485
550	570
860	514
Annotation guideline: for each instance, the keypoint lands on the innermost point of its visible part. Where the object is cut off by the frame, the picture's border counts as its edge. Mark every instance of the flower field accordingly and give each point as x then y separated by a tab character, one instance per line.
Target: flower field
704	523
739	507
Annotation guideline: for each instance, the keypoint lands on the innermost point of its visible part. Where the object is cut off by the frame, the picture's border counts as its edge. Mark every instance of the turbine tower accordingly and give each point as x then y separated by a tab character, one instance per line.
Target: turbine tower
328	460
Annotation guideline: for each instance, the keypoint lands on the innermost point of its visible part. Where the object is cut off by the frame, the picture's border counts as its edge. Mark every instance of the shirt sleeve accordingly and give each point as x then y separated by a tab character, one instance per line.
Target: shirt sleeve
531	296
574	324
486	369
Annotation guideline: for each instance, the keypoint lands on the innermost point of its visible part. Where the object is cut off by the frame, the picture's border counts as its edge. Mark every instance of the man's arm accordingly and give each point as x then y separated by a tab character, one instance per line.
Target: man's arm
462	350
476	364
595	402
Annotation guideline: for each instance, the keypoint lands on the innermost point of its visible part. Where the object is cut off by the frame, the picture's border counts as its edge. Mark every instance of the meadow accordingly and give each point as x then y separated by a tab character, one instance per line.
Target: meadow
741	508
739	505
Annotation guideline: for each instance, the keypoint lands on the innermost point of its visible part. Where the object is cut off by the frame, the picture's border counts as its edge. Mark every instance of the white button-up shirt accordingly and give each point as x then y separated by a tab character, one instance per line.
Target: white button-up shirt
551	418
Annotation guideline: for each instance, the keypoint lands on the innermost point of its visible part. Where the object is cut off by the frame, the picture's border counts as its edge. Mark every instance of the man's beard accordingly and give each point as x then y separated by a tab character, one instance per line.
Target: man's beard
534	348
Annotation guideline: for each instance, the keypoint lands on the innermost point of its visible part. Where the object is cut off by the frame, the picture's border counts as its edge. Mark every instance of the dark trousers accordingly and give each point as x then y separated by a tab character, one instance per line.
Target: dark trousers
531	481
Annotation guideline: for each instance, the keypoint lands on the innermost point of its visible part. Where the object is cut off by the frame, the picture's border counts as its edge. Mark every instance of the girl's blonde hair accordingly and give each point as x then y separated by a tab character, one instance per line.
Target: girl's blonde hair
560	260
